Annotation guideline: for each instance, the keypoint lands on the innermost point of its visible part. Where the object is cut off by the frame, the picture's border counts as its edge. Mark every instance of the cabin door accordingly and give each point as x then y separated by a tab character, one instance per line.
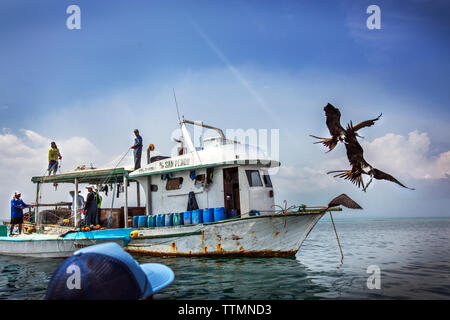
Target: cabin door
231	189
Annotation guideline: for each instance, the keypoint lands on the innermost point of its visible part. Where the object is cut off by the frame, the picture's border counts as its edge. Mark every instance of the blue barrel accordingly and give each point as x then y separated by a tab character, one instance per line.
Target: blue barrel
135	221
232	213
168	218
177	219
142	221
219	214
160	220
254	213
187	217
208	215
197	216
151	222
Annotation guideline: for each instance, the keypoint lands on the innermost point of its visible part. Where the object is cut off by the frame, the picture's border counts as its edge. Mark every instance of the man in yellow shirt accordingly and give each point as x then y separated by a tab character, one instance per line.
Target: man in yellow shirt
53	156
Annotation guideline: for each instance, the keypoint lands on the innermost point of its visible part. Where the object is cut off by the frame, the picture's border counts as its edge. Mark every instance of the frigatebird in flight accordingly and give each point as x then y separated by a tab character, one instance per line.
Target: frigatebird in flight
359	165
345	201
337	132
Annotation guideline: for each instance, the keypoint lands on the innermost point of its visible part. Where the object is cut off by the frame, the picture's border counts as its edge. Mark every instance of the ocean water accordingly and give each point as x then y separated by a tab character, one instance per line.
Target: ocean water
413	256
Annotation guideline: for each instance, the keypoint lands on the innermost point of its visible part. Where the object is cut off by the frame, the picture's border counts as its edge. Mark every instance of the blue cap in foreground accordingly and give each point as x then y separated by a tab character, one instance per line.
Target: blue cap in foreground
106	272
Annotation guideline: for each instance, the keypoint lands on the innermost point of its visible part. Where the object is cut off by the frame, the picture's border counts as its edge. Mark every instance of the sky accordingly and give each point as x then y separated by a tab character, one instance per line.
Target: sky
233	64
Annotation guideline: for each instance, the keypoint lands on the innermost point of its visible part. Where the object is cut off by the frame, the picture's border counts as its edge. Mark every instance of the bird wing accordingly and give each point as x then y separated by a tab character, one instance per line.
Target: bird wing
333	121
355	152
353	175
345	201
380	175
366	123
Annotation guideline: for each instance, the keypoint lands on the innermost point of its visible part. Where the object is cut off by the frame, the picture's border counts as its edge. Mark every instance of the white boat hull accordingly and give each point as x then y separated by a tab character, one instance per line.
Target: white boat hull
54	246
266	235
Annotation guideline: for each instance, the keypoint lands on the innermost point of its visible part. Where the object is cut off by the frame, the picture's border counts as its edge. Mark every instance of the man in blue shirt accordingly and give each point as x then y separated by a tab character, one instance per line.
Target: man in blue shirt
17	206
137	149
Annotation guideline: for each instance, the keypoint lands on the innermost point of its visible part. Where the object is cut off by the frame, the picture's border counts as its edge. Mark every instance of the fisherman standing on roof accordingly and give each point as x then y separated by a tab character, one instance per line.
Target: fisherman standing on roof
17	206
90	207
53	156
137	149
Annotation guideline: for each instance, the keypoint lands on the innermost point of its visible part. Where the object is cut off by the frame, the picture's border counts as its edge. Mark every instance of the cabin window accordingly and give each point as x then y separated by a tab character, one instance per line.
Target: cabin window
174	183
267	180
254	179
200	179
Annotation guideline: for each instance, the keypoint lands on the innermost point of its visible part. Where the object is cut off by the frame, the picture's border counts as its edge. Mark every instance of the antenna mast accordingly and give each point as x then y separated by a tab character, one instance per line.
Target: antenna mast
176	104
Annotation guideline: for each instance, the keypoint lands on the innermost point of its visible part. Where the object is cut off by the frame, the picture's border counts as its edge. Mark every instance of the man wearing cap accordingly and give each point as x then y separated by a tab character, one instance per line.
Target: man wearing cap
53	156
90	208
106	272
137	147
17	206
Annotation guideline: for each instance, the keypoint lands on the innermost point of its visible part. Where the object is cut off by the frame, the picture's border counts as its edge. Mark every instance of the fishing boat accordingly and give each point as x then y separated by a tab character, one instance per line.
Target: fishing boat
213	200
234	213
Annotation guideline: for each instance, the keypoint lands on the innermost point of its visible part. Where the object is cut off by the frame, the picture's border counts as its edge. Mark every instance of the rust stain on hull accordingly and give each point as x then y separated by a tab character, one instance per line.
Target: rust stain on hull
235	237
240	253
276	234
203	238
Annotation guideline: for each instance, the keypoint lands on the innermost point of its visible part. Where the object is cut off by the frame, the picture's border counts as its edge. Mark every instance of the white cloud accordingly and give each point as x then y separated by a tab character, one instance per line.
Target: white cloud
25	156
403	157
407	156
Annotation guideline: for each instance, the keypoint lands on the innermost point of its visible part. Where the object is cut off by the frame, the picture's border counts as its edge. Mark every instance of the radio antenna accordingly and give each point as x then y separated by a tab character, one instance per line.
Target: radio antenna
176	104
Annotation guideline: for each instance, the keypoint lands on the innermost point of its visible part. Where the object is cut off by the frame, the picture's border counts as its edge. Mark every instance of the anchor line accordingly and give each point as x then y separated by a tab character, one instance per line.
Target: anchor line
337	237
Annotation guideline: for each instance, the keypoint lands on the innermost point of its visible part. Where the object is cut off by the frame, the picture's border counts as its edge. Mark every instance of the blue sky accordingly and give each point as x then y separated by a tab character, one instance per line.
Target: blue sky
234	64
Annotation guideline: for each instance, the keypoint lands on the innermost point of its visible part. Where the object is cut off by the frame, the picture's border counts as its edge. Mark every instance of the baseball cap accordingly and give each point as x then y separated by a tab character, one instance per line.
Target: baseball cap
106	272
17	193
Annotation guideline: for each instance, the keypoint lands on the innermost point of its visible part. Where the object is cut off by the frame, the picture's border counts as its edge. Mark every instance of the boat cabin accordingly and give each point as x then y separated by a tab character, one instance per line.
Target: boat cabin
222	173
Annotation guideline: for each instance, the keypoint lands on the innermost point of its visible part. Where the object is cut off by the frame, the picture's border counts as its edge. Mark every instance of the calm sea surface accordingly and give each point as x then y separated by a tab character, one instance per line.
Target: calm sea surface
412	254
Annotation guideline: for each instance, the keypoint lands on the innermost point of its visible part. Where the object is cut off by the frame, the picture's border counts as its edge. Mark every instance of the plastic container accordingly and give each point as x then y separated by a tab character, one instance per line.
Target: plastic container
232	213
142	221
135	221
160	222
168	219
208	215
3	231
219	214
197	216
151	221
177	219
187	217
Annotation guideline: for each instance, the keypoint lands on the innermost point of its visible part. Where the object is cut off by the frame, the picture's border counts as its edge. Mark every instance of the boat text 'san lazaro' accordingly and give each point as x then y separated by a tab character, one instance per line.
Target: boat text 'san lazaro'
225	185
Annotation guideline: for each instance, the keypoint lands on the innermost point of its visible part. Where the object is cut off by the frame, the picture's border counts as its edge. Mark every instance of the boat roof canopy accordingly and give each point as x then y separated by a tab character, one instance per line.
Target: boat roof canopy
89	176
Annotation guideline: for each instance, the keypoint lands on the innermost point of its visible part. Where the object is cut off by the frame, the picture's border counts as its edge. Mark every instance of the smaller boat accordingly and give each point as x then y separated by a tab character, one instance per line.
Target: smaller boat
53	245
50	240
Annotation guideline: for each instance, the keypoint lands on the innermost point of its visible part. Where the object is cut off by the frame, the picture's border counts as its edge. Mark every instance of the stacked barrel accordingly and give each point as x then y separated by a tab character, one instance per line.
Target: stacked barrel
192	217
